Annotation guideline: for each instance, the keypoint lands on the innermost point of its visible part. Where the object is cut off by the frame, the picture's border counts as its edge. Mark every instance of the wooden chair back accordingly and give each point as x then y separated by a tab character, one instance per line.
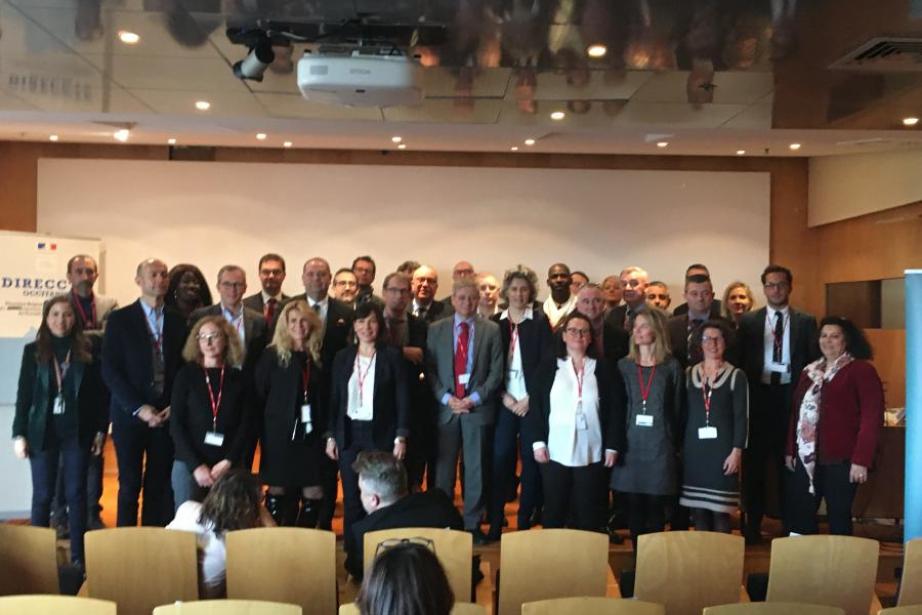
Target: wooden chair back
44	604
911	581
542	564
912	609
140	568
28	560
460	608
228	607
687	571
773	608
453	548
283	564
592	606
831	570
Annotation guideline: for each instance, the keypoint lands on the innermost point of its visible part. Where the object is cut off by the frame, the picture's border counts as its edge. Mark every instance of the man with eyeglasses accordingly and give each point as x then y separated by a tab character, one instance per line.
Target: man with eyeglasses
462	270
270	299
364	269
633	286
424	285
345	287
777	342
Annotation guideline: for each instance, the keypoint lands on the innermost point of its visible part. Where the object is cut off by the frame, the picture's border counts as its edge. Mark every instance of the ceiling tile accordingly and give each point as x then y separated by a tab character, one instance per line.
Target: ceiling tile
439	81
223	104
675	115
169	73
456	110
580	115
588	85
295	106
754	117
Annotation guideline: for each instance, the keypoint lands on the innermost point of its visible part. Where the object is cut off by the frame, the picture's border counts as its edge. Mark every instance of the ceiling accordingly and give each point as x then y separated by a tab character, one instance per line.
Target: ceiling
706	77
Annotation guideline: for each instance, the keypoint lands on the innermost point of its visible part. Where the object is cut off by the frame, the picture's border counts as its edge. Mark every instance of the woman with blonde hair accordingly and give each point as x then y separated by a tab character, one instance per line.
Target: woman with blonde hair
291	392
738	299
209	419
654	382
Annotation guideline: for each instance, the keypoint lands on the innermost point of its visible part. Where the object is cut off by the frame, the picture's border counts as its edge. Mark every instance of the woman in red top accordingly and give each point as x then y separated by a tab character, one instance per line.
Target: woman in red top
838	414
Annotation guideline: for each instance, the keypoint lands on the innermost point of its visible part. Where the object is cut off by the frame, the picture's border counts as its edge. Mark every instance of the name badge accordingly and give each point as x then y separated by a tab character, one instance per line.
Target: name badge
306	418
464	378
581	423
707	433
512	374
644	420
213	438
780	368
58	405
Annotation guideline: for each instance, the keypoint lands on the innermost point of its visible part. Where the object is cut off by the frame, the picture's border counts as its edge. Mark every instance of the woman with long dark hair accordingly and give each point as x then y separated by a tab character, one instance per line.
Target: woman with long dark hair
188	290
406	579
60	413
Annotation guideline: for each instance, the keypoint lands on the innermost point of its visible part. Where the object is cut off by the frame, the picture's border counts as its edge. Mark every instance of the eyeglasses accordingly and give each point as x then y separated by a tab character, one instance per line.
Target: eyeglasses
711	339
209	337
234	285
578	332
390	543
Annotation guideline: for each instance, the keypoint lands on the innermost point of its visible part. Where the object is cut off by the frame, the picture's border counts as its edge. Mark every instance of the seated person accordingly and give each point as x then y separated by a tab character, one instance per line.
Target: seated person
406	579
386	499
234	503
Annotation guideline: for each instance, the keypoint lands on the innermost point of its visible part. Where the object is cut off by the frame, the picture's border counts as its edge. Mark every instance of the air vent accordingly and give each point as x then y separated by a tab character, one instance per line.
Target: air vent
884	54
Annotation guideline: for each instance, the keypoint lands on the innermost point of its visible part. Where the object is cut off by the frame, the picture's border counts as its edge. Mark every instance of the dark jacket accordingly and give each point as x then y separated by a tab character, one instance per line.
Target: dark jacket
279	392
612	400
689	355
391	397
84	400
536	342
751	336
127	360
851	415
426	509
337	330
255	331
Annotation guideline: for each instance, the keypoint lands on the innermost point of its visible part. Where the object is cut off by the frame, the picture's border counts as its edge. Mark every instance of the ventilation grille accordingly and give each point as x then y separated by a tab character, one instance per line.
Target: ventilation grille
881	54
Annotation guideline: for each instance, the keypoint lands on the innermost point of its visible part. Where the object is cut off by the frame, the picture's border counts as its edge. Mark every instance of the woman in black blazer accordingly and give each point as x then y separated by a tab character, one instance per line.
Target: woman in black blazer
290	391
576	429
369	403
527	340
60	412
209	424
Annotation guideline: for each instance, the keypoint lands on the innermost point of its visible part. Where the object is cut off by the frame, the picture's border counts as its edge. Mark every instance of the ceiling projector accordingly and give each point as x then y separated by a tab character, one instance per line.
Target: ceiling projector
359	79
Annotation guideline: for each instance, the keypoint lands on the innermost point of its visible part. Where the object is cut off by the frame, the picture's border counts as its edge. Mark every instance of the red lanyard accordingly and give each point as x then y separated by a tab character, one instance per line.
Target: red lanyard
706	396
645	390
88	323
362	377
513	340
580	377
215	401
60	372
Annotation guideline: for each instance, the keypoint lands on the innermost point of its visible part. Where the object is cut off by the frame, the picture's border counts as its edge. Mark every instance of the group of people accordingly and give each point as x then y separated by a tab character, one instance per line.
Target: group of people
609	403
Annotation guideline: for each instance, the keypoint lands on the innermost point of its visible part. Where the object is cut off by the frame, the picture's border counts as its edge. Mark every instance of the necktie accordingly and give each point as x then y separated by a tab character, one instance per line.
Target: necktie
461	358
692	345
316	308
421	312
629	320
778	345
269	312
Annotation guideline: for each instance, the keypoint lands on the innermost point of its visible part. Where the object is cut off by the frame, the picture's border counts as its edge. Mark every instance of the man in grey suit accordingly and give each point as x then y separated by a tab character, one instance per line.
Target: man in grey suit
465	371
92	310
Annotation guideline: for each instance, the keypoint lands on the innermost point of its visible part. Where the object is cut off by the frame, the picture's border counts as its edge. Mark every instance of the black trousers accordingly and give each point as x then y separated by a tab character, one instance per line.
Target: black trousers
768	426
574	496
830	482
145	461
645	514
93	491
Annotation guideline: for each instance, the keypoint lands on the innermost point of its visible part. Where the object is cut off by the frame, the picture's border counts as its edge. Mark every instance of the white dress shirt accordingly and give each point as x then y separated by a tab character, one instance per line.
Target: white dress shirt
768	345
567	443
360	406
324	307
515	377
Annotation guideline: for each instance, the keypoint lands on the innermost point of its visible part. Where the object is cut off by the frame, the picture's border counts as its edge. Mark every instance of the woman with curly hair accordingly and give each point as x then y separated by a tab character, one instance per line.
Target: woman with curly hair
188	290
234	503
291	392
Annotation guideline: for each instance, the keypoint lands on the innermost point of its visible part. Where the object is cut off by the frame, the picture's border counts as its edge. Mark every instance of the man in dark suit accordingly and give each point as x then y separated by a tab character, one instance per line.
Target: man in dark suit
424	286
142	351
383	485
269	300
633	288
364	270
337	329
463	270
465	370
693	270
408	333
685	329
92	311
777	342
611	342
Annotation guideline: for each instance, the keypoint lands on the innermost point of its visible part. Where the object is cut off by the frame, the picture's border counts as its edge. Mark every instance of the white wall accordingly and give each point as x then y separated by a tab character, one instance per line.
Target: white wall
599	221
843	187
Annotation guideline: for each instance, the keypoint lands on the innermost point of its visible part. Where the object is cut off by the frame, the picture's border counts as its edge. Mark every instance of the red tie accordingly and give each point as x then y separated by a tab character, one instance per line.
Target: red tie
461	358
270	312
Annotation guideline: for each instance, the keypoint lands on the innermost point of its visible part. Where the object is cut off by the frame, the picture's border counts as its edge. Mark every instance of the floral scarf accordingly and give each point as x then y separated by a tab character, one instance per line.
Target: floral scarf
819	373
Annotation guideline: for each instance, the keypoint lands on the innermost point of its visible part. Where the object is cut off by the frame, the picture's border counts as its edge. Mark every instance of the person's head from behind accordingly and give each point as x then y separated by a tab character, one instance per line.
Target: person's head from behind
382	479
406	580
233	503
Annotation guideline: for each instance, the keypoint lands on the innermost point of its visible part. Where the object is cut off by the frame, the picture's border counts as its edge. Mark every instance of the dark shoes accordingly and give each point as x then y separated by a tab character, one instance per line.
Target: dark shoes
481	539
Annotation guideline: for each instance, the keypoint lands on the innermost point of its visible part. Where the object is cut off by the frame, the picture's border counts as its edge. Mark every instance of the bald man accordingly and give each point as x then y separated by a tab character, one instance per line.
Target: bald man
142	351
423	286
462	270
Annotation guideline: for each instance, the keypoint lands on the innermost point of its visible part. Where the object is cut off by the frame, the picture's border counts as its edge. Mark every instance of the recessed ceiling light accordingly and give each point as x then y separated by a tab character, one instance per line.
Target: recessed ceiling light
910	121
202	105
171	141
261	136
662	144
740	152
529	142
558	115
396	139
597	51
794	147
121	135
287	144
514	148
129	38
52	137
402	146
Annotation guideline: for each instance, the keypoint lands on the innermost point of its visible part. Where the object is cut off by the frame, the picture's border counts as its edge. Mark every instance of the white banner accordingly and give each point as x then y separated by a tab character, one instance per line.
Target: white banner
32	270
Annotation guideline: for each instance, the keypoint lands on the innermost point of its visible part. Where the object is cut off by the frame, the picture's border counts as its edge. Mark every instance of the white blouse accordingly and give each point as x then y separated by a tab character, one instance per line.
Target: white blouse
360	406
574	430
211	550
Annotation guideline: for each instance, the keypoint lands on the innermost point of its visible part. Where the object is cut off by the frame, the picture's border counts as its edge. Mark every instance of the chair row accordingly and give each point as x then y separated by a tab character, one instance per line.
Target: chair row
67	605
140	568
